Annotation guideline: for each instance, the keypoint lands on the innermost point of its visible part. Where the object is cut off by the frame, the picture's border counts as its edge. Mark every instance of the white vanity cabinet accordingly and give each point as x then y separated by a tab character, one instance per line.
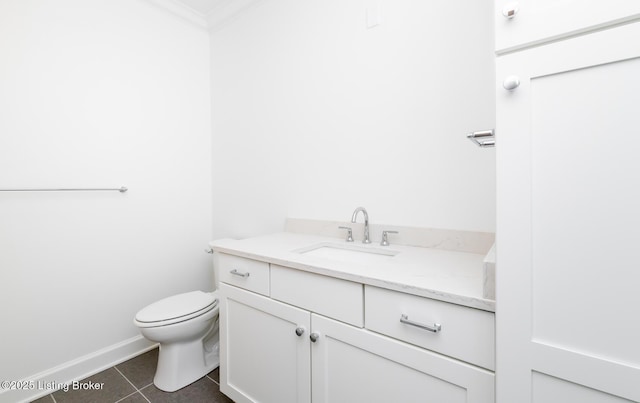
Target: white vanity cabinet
568	221
350	364
264	350
309	341
453	330
525	23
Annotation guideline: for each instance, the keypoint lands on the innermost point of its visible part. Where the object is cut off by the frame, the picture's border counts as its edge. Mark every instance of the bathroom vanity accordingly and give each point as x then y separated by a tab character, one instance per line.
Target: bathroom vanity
308	318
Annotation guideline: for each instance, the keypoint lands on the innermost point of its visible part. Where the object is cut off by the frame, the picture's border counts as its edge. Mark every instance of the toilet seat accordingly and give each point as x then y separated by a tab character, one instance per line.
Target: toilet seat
177	308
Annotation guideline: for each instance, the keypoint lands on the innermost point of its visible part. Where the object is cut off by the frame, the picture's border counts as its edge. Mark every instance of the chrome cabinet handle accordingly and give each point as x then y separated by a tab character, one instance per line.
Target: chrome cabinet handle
435	328
237	273
314	337
510	10
511	83
299	331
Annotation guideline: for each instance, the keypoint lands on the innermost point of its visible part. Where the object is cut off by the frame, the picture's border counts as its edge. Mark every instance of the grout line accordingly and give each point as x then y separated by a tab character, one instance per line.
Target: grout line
127	396
143	395
53	398
127	379
134	386
213	380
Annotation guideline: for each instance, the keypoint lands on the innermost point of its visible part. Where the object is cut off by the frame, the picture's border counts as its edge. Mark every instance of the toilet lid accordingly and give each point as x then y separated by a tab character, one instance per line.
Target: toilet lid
177	306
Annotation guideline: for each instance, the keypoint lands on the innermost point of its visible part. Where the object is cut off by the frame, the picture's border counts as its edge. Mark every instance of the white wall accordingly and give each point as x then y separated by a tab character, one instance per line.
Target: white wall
314	115
98	93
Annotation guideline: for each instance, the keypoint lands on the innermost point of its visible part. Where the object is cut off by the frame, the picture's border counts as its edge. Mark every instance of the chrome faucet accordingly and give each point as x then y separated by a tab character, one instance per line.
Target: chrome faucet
366	222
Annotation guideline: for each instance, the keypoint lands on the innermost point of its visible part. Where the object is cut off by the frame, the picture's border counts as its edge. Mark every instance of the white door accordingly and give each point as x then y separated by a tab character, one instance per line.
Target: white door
355	365
536	21
568	230
263	358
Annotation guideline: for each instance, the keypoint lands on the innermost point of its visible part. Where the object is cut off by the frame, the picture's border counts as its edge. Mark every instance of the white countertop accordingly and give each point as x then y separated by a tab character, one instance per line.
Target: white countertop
445	275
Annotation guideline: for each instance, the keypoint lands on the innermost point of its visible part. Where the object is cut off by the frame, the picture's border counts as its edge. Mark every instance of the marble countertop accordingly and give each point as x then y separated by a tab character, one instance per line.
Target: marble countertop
445	275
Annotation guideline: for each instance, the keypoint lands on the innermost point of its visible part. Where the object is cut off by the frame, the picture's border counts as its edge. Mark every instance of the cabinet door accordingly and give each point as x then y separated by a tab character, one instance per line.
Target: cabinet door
543	20
568	223
262	358
355	365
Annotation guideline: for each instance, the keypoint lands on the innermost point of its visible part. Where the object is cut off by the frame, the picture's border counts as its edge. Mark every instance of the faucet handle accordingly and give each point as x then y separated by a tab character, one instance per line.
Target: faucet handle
385	241
349	233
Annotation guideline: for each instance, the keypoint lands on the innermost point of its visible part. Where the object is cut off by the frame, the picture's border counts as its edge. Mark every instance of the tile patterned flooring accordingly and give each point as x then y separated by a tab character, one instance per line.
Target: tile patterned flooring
132	382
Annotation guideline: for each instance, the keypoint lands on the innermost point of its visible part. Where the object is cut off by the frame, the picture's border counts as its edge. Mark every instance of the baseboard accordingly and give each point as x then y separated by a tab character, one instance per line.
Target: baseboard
49	381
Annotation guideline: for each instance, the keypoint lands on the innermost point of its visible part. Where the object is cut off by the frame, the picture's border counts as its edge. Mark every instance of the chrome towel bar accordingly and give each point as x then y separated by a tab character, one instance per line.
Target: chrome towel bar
121	189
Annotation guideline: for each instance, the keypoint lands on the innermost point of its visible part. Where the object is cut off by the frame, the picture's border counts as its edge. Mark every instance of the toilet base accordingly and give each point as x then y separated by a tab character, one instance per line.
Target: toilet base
189	349
182	364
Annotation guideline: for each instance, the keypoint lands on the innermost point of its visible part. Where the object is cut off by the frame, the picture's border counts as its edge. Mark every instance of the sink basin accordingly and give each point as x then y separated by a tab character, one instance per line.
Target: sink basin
348	253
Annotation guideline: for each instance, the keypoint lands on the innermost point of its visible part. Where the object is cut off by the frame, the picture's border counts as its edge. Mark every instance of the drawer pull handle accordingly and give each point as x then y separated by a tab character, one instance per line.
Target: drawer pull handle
237	273
435	328
299	331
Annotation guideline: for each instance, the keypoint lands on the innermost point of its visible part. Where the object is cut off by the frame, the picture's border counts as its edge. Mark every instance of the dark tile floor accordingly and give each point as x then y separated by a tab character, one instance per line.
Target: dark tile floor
132	382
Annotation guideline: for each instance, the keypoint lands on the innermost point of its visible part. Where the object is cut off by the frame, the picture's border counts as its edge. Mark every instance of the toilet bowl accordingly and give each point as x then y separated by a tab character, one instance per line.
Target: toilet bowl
186	327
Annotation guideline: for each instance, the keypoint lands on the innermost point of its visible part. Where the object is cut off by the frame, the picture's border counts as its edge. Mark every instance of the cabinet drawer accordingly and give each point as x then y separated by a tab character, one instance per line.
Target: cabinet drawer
538	21
465	333
338	299
251	275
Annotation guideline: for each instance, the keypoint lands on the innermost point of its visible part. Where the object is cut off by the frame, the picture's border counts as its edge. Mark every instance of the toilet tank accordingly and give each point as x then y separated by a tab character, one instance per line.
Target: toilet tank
216	269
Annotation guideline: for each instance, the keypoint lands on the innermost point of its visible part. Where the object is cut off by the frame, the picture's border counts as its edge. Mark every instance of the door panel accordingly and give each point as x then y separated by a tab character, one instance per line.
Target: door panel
548	389
568	223
264	360
585	219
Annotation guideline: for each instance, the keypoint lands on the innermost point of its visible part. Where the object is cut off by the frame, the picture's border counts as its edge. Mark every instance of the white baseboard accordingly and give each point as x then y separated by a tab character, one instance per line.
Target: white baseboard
43	383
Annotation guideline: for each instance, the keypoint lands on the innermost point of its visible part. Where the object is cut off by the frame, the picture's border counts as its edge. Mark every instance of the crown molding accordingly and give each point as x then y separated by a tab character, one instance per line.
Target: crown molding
225	11
183	11
228	10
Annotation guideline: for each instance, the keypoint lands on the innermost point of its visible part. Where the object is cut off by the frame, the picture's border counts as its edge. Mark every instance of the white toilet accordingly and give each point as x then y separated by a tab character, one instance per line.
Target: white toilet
186	326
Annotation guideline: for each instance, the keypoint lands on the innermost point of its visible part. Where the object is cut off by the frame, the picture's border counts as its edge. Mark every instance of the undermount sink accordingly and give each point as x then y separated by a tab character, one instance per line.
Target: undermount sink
348	252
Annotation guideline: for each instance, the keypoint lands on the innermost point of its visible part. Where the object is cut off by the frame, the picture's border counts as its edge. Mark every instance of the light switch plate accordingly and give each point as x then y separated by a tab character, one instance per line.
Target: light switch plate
374	13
